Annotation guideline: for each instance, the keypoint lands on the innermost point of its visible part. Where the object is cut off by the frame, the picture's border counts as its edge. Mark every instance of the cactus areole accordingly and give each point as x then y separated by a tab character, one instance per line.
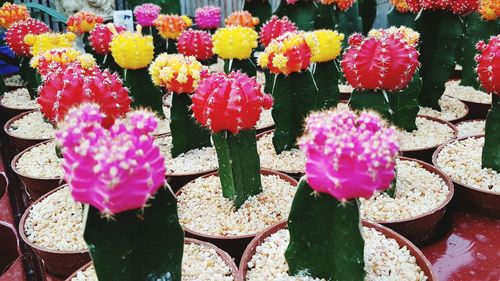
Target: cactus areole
348	156
230	106
488	69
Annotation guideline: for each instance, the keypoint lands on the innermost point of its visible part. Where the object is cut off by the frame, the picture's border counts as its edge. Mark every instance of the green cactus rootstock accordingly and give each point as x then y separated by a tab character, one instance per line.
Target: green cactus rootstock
239	165
368	13
167	6
398	19
28	74
371	100
346	22
108	62
476	29
326	76
302	13
325	237
142	90
295	96
441	35
491	149
404	104
139	244
246	66
187	134
326	17
261	9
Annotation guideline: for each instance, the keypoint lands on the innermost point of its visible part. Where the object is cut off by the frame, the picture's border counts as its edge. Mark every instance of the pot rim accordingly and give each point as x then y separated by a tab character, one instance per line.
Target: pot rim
17	117
424	263
283	176
12	89
36	247
14	161
447	123
440	148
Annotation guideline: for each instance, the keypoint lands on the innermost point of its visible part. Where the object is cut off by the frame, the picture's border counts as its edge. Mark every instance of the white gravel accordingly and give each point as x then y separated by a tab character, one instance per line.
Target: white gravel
465	93
199	263
429	134
194	161
19	99
14	81
32	126
451	109
203	209
56	223
461	160
418	192
266	120
293	161
384	259
41	162
471	128
345	88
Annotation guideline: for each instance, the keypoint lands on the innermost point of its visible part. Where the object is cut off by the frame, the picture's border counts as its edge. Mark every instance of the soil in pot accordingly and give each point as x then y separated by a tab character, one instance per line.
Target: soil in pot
18	99
201	261
13	81
471	128
452	110
385	259
290	162
31	125
478	101
40	161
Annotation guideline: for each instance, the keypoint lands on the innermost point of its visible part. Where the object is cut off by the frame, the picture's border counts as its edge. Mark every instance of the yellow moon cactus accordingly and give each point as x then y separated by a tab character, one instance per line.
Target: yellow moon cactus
235	42
329	45
47	41
131	50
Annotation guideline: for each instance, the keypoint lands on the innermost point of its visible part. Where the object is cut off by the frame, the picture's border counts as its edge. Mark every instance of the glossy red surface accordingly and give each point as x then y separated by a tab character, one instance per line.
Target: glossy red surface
469	252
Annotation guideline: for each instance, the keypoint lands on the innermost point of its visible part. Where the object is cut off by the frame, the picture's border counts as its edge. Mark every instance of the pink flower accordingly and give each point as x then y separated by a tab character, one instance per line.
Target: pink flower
349	155
146	14
208	17
113	170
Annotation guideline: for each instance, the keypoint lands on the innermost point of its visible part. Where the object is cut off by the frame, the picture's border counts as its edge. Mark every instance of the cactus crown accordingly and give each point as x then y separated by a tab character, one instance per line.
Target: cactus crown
208	17
171	26
131	50
83	22
176	72
146	14
489	9
100	38
40	43
274	28
196	43
231	102
341	4
12	13
69	87
488	64
291	52
407	34
52	60
329	45
113	170
242	18
18	30
349	155
234	42
459	7
386	63
402	6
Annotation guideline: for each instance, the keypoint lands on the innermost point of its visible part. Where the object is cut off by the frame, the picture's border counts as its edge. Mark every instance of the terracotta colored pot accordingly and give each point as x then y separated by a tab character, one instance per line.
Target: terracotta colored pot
425	154
18	142
425	227
234	245
35	186
225	256
464	117
422	261
477	110
57	262
484	201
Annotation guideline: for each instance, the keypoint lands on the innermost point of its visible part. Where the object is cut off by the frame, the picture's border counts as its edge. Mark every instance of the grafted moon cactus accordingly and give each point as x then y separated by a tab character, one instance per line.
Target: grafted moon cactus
230	105
274	28
208	17
329	45
386	63
74	85
235	45
83	22
231	102
348	156
488	69
459	7
12	13
489	9
171	26
17	31
58	59
242	18
146	14
196	43
100	38
40	43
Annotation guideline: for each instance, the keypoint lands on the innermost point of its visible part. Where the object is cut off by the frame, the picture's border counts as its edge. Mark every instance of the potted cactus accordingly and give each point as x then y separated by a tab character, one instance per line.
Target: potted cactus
197	43
145	15
208	18
170	28
99	40
235	44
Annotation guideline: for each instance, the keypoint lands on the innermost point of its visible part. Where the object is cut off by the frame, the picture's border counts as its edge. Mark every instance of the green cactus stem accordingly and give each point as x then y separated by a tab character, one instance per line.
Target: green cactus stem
327	75
372	100
491	149
28	74
187	134
398	19
261	9
142	90
404	104
139	244
108	62
368	12
160	44
325	237
476	29
246	66
326	17
239	165
171	45
295	96
167	6
349	21
441	33
302	13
